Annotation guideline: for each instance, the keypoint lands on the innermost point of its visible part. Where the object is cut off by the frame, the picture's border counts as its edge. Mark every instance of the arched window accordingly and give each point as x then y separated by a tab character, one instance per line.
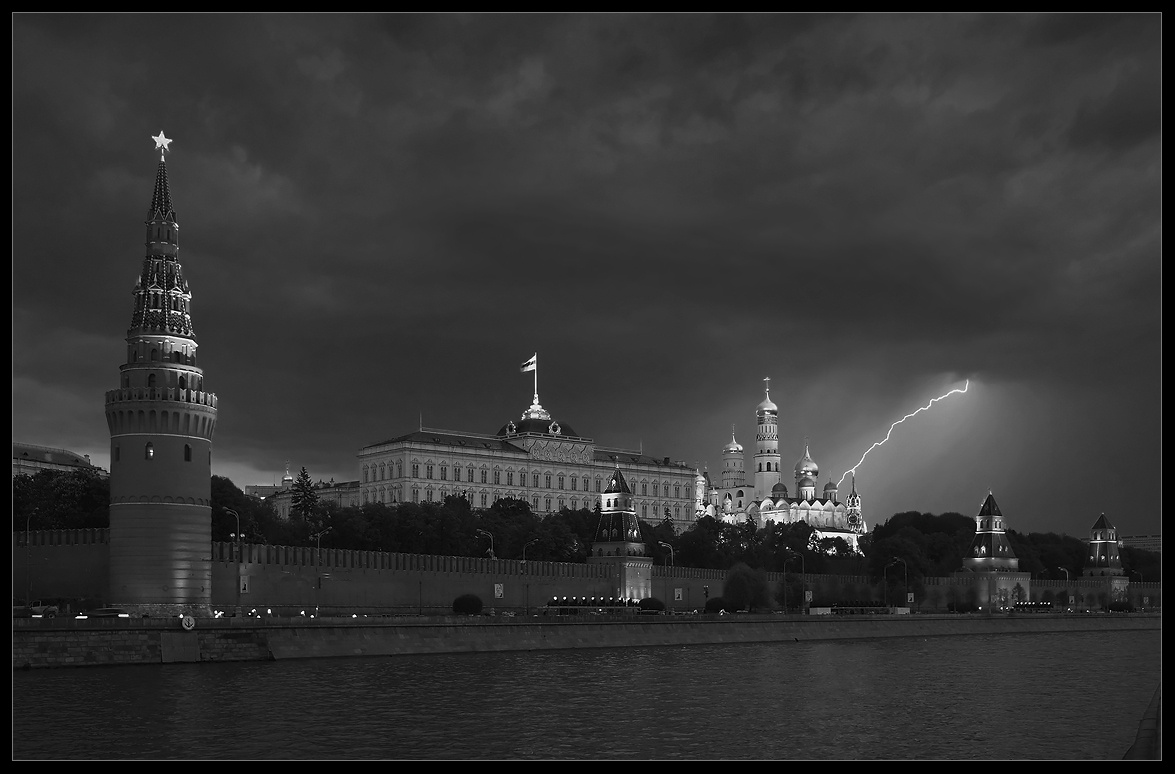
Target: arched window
151	381
116	453
149	451
154	354
183	382
187	452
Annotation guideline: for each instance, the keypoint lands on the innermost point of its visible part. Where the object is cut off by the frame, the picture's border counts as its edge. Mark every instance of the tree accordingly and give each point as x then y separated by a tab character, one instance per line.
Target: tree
746	588
60	499
304	498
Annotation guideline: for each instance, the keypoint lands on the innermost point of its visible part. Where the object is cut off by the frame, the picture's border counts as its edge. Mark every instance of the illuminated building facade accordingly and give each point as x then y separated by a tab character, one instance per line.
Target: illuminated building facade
161	423
534	458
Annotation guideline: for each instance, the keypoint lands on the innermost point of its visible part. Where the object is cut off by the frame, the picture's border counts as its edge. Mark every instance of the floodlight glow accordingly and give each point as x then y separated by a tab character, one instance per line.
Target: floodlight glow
895	424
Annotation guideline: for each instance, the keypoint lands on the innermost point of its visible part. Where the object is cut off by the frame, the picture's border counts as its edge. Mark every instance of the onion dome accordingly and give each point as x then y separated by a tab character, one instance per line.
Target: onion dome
830	487
733	446
805	481
779	490
806	466
767	405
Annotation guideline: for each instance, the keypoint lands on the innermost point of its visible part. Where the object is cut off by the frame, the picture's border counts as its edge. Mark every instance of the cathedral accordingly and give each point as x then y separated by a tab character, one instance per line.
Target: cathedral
766	498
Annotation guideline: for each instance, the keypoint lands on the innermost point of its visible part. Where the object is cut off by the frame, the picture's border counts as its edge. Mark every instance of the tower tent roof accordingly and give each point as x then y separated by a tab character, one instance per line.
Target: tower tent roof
1102	523
161	208
617	484
989	507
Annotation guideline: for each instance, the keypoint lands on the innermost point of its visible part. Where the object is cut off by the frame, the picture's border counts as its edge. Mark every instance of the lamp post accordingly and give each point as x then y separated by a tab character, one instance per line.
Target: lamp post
531	543
670	552
236	536
318	565
491	537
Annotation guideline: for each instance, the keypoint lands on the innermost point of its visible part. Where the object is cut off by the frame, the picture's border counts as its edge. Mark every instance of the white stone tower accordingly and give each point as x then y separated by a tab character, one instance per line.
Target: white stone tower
766	445
161	423
733	464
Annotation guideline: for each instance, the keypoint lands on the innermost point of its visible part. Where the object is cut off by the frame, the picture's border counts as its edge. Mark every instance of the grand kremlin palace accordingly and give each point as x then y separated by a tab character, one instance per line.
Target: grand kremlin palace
536	459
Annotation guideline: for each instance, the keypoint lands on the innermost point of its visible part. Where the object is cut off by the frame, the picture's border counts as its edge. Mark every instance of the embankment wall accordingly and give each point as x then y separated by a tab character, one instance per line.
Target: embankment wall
65	642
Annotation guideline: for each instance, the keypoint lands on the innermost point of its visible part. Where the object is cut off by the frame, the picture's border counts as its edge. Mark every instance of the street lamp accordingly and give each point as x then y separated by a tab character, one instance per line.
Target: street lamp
1066	571
531	543
905	571
236	536
670	552
491	537
318	565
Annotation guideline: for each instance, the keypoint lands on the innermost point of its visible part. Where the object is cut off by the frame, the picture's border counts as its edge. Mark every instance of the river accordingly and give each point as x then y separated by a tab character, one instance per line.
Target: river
1075	696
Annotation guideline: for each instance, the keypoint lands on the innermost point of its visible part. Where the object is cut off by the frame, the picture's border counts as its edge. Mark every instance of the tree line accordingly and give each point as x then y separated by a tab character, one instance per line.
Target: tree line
907	546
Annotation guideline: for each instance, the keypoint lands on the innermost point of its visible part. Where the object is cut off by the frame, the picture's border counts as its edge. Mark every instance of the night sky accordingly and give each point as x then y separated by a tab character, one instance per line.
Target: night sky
382	217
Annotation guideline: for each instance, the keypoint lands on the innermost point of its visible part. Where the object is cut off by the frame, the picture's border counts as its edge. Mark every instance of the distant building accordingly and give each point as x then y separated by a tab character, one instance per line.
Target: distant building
28	460
265	491
1143	542
344	495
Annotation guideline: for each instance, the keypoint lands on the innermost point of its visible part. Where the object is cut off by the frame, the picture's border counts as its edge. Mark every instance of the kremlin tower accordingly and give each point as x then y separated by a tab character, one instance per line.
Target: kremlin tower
161	423
618	541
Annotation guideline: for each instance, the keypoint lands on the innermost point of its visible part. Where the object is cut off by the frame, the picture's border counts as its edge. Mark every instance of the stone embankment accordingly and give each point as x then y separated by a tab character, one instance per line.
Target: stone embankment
65	642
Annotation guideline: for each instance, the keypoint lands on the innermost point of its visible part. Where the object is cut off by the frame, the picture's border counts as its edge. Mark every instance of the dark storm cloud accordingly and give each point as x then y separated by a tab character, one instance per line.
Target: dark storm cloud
382	215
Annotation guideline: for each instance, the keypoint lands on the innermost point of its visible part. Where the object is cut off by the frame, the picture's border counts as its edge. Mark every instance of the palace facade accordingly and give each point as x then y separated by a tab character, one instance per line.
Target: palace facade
534	458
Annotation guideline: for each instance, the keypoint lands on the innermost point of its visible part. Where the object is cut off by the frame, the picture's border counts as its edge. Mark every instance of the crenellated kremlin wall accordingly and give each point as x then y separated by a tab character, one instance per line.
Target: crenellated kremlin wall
73	566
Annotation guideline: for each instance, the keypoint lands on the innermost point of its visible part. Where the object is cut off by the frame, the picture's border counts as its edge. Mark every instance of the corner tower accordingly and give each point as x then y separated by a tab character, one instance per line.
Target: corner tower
766	445
161	423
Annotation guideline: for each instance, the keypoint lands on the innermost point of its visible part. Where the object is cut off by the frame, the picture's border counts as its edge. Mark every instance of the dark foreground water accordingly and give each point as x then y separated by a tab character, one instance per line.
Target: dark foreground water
1025	696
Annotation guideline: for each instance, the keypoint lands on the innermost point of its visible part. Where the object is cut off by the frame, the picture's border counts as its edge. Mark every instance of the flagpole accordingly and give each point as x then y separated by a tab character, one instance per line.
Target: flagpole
536	378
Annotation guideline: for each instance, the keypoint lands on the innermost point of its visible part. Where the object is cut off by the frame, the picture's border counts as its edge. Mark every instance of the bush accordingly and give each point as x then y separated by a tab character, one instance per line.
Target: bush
715	605
651	604
467	604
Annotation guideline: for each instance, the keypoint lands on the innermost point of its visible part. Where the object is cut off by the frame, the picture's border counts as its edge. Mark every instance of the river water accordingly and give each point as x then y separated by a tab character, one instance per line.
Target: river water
989	697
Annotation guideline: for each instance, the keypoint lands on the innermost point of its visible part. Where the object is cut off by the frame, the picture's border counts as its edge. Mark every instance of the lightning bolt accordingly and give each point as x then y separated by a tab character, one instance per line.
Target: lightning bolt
895	424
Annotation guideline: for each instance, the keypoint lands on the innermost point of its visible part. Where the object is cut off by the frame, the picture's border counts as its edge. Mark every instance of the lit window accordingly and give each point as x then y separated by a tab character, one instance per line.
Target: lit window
149	452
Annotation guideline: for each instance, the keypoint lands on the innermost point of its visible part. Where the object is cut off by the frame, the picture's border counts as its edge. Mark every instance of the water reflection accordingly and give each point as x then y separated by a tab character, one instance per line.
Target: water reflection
980	697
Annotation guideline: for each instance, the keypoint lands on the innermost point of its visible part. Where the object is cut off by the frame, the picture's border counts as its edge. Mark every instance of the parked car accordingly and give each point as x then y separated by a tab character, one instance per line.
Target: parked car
105	612
36	609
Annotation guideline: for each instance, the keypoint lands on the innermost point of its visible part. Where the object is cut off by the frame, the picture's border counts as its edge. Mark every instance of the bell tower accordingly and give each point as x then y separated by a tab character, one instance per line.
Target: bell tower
161	423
